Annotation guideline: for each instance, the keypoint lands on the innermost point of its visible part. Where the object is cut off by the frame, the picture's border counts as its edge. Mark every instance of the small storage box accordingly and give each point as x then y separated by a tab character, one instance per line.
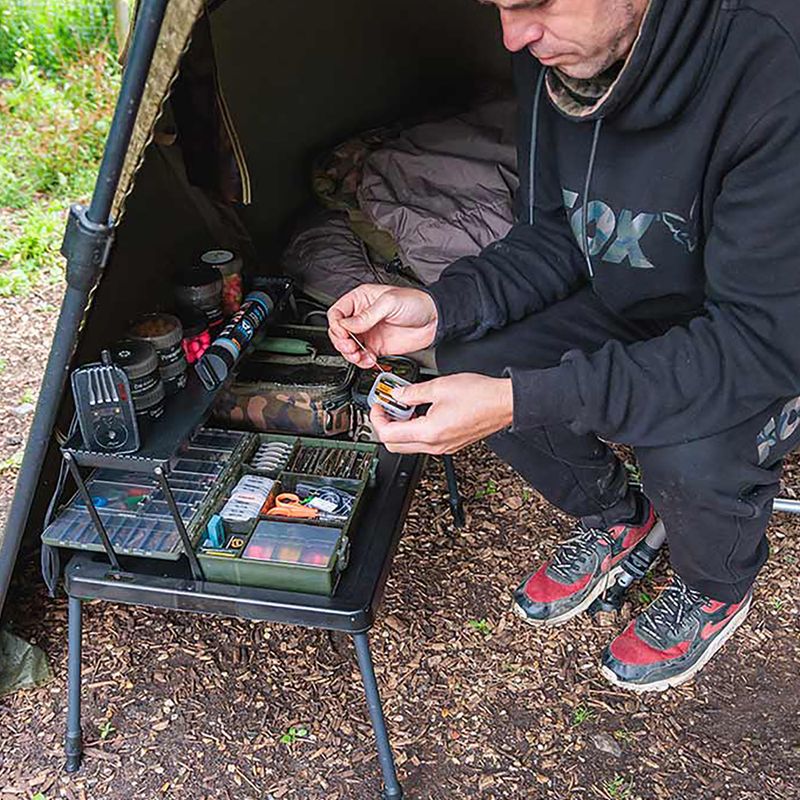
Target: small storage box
134	510
287	555
285	552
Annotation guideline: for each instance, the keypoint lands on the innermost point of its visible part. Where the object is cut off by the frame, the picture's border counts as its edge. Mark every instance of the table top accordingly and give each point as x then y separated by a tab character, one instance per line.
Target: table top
351	609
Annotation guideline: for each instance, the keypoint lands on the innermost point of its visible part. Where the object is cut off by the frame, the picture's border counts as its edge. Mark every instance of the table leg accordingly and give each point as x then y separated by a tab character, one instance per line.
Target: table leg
452	487
73	745
392	789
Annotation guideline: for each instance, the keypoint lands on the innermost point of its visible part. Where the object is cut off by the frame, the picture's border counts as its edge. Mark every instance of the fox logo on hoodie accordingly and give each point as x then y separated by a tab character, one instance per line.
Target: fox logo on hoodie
618	236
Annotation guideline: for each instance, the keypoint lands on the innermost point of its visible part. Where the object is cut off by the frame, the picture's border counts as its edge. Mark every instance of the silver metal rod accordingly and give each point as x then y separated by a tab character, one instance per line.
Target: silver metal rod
786	505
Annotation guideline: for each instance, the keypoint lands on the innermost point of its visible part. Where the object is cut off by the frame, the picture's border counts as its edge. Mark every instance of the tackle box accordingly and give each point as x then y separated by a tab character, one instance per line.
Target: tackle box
294	554
134	510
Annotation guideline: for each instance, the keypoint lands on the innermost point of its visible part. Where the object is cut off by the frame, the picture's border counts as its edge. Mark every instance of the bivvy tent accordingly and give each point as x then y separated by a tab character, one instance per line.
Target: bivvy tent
210	152
222	110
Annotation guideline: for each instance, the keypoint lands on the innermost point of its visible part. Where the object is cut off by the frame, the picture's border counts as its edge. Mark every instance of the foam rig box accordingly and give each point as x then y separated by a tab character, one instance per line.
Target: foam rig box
285	517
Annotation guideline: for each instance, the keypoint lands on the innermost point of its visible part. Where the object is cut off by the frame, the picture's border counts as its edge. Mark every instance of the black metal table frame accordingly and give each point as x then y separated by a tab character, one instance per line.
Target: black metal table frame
350	610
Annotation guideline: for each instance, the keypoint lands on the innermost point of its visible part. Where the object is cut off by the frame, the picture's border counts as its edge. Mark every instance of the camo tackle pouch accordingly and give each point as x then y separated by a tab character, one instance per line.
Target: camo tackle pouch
290	384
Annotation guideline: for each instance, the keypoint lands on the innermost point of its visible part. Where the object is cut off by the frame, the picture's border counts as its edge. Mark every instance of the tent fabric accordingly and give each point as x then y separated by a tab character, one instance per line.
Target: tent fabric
22	665
173	41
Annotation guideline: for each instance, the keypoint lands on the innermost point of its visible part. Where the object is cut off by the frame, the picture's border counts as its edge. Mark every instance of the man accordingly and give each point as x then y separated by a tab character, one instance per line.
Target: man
648	295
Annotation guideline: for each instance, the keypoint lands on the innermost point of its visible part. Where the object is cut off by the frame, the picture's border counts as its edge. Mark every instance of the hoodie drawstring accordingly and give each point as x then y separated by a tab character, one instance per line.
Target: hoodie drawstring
537	99
586	188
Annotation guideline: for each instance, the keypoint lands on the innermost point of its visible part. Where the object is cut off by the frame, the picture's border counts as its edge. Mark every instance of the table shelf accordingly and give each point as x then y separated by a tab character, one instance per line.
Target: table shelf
183	413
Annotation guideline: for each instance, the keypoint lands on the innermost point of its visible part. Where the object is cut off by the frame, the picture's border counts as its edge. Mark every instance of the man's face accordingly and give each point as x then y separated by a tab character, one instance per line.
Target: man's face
580	38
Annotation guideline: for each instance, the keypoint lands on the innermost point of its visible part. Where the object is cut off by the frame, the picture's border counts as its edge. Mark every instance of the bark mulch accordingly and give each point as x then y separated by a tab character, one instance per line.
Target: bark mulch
478	704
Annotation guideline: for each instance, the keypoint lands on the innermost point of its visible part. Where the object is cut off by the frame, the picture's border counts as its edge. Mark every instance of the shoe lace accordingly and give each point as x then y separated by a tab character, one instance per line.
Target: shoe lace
667	615
575	551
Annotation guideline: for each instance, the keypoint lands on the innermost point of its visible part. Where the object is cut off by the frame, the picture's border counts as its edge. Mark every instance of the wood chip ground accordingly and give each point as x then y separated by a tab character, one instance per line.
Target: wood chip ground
478	705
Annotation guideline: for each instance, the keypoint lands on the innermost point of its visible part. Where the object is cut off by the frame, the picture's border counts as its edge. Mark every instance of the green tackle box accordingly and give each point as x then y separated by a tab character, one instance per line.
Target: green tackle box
300	555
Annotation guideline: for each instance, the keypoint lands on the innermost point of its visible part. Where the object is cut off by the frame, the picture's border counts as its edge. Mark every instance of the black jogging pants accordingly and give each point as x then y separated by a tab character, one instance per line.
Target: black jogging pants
714	494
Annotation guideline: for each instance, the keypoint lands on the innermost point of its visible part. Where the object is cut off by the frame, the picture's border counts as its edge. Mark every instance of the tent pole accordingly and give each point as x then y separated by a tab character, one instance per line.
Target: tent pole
86	246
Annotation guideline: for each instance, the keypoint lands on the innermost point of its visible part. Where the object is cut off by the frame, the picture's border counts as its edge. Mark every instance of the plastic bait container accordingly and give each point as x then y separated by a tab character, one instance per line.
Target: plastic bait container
200	288
165	333
140	362
230	267
381	394
196	335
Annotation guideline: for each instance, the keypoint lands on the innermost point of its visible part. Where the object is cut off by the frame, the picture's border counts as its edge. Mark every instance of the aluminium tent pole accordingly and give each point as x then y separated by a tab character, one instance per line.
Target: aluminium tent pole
86	246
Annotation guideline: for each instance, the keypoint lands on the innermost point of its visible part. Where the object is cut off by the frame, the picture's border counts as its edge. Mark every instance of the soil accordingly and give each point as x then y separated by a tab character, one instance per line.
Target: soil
193	707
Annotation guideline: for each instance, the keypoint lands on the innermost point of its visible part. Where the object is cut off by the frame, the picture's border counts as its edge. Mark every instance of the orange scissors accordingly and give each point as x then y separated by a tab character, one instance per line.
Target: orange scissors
290	505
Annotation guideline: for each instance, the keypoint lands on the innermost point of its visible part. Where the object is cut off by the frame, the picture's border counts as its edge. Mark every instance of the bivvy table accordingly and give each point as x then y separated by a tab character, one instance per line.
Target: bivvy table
351	609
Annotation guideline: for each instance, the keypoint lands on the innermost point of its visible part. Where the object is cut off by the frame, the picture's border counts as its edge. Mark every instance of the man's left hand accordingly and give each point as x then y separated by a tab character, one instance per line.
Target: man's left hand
463	409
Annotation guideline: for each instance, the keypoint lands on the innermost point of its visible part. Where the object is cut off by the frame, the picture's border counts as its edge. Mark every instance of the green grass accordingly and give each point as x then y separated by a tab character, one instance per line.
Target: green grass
54	32
480	625
55	129
294	734
59	82
486	491
617	788
29	247
582	714
622	735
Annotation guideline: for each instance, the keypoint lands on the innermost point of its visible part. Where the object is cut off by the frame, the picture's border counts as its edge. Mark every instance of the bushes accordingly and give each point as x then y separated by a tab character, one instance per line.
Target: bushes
54	131
54	33
56	101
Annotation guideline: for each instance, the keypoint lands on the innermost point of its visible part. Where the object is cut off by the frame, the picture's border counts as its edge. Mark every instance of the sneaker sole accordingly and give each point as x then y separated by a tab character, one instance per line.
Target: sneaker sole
670	683
601	587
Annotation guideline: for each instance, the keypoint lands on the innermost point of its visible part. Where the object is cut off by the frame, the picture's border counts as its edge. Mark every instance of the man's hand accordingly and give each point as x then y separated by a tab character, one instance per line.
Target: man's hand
464	409
386	319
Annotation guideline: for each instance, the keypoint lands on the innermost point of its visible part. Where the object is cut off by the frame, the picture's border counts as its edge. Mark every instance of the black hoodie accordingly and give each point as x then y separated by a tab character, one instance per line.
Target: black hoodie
689	173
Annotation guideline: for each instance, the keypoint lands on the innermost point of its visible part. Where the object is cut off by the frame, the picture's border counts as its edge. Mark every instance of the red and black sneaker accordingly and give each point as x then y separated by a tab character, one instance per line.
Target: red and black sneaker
581	570
672	639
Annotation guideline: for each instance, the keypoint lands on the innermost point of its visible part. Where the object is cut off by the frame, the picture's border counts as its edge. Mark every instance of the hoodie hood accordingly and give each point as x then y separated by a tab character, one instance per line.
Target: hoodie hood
677	45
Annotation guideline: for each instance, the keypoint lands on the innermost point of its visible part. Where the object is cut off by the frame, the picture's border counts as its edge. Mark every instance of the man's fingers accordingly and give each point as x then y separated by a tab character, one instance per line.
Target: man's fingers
335	317
397	432
369	317
398	437
359	358
346	346
363	359
345	343
379	418
416	394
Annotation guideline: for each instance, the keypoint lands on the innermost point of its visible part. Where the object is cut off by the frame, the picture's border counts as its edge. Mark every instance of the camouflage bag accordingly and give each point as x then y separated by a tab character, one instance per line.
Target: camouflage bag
292	383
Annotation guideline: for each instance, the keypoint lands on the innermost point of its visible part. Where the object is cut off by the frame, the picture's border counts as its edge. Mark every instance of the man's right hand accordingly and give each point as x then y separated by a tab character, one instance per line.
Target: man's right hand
386	319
